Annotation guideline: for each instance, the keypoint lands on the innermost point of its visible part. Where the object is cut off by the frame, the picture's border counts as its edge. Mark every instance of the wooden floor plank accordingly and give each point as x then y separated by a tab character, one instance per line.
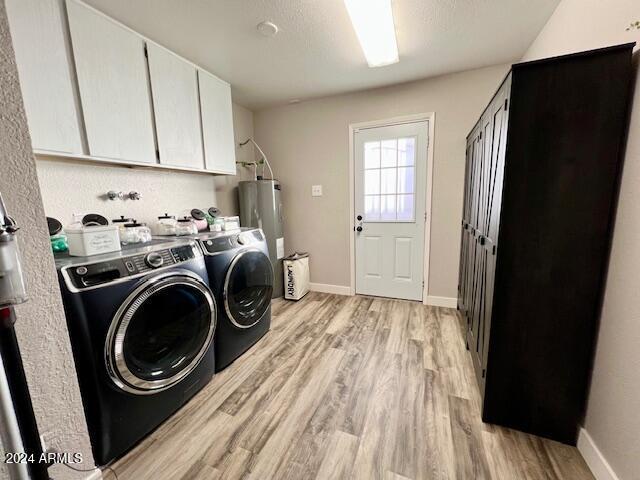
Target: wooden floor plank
290	427
378	434
347	387
339	458
439	455
410	413
471	461
305	457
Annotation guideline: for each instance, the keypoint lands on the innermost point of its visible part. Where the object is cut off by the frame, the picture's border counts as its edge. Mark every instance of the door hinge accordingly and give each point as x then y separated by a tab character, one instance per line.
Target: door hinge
146	52
484	372
157	154
506	103
480	137
425	216
494	250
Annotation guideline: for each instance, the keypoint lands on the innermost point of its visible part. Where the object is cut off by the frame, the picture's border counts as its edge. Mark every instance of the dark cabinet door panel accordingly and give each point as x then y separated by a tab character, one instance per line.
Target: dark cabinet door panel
542	176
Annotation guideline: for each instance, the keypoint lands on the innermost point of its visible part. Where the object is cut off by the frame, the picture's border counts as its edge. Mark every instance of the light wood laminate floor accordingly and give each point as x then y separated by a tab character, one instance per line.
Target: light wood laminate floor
347	387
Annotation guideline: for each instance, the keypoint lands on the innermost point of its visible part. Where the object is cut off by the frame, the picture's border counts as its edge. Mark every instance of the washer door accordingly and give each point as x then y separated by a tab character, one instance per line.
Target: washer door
248	288
160	333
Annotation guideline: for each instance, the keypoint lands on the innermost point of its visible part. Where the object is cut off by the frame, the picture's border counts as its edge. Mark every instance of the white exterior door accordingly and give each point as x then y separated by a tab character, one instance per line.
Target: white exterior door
390	192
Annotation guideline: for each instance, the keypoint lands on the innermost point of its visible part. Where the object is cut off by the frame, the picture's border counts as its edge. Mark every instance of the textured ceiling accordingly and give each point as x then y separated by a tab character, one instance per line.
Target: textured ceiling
316	52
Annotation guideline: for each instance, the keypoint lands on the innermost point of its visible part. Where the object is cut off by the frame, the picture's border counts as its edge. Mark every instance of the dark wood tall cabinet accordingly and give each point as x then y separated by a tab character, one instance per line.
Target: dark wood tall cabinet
542	175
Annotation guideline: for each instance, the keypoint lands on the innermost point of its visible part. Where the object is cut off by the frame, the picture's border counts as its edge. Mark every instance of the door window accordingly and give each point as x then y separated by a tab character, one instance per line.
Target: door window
248	288
389	180
166	332
161	333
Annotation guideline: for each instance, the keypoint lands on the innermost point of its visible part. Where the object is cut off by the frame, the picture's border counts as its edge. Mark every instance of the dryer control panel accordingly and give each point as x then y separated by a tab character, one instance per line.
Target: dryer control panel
100	273
220	243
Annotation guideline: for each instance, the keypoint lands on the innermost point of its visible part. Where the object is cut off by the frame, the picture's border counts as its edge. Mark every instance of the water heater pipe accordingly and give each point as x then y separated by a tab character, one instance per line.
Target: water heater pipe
264	157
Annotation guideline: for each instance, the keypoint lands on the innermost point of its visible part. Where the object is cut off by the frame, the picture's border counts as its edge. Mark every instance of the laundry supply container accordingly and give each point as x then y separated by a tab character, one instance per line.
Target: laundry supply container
92	239
296	276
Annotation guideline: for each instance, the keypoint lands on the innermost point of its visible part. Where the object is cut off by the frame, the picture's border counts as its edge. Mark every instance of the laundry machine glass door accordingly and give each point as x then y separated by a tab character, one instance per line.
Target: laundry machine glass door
248	287
160	334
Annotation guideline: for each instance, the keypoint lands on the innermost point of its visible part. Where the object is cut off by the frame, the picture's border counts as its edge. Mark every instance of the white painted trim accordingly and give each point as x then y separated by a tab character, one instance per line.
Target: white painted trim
387	122
352	213
327	288
448	302
594	458
430	118
46	155
428	203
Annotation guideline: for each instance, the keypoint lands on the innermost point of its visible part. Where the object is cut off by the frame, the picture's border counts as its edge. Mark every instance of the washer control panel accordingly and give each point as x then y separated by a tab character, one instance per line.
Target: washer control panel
104	272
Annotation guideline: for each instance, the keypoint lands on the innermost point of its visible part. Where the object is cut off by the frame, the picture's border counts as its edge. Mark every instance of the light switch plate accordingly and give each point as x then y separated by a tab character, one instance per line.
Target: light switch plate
316	190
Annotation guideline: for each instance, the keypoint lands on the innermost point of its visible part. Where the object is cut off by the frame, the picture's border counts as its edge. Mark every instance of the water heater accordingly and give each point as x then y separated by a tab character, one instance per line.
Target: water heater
260	206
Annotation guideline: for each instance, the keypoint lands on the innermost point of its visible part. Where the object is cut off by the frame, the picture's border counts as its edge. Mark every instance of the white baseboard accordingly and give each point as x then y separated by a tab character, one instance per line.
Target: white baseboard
448	302
95	475
346	290
594	458
327	288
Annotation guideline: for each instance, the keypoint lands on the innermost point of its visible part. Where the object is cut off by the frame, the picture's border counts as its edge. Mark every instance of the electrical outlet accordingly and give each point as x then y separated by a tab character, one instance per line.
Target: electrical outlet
316	190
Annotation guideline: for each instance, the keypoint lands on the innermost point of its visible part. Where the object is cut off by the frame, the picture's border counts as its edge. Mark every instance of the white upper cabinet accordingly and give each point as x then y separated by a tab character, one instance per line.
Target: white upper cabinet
90	92
114	86
217	124
174	86
44	66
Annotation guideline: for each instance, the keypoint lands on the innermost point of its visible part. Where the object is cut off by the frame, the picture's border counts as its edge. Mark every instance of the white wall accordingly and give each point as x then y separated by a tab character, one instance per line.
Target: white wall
41	326
613	412
76	186
308	144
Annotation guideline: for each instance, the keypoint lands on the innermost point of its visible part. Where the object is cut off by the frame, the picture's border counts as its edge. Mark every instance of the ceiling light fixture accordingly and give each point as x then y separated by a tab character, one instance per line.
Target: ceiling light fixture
373	22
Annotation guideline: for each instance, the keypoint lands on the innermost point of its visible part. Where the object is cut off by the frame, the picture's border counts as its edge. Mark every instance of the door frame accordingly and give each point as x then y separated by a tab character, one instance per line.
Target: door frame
429	117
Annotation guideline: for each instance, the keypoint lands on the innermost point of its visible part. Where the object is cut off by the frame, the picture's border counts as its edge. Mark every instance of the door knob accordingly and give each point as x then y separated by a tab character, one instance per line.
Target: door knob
359	228
359	217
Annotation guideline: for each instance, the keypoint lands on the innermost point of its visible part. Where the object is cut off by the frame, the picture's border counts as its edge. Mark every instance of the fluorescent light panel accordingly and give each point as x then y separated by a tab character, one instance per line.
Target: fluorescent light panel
373	22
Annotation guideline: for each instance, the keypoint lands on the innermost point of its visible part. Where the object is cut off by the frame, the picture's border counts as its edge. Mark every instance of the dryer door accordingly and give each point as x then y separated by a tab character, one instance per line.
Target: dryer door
247	288
160	333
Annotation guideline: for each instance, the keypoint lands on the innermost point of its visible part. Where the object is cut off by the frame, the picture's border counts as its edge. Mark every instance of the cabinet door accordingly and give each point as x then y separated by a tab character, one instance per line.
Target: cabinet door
174	86
495	133
43	60
217	124
486	173
500	117
474	190
114	86
464	242
479	278
501	120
